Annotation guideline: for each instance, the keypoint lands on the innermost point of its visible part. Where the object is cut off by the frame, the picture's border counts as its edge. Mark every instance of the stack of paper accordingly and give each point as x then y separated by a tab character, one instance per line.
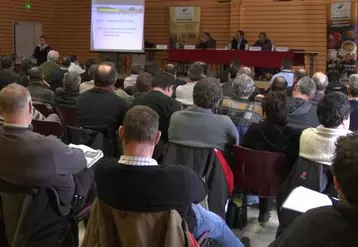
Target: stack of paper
92	155
302	199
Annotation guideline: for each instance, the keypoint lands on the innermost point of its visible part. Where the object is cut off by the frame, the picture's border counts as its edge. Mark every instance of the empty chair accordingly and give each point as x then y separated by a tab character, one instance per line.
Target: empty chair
67	115
47	128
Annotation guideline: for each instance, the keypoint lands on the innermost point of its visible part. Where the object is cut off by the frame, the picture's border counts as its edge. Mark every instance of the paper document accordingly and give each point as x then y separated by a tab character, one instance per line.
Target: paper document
302	199
92	155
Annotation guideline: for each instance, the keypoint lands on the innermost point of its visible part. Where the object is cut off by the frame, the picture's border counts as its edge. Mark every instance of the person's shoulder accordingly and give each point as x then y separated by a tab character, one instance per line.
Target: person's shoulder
254	128
320	218
105	164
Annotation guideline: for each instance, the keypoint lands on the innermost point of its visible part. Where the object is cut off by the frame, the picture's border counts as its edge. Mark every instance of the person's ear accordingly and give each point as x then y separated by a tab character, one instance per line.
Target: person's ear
157	137
121	132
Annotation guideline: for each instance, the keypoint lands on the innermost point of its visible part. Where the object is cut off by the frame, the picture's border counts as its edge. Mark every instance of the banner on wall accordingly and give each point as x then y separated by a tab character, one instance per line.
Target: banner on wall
184	26
342	40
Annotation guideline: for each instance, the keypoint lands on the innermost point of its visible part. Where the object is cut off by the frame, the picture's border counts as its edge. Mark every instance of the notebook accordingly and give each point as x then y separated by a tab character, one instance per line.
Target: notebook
302	199
92	155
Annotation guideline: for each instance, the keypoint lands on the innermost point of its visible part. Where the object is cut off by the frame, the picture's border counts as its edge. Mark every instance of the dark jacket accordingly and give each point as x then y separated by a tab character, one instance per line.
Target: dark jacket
332	226
40	92
266	46
44	161
210	44
227	88
309	174
302	114
50	68
23	78
41	54
274	138
317	97
57	78
65	98
205	164
336	87
234	43
354	114
7	77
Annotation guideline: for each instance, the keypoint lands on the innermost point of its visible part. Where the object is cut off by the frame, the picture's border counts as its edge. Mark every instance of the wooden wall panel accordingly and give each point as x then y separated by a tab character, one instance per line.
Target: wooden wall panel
14	10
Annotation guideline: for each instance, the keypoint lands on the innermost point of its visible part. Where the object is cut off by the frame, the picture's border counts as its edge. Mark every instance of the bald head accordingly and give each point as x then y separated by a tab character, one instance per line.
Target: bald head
14	100
105	74
321	81
299	74
279	84
246	71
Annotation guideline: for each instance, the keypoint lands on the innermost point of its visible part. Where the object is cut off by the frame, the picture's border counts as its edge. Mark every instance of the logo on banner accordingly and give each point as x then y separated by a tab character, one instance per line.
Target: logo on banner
184	13
340	11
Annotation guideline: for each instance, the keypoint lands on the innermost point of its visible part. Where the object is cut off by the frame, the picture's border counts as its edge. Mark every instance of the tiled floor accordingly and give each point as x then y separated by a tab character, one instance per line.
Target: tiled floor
260	236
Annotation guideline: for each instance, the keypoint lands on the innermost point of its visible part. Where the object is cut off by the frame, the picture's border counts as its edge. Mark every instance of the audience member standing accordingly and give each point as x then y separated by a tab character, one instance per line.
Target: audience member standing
160	100
197	126
87	85
50	67
42	50
136	183
100	107
238	107
75	67
353	93
7	74
131	80
40	91
321	81
273	135
302	114
67	95
30	159
184	94
286	72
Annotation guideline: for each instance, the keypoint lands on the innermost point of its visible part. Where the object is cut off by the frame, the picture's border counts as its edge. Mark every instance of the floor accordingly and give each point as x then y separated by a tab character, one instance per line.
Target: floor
260	236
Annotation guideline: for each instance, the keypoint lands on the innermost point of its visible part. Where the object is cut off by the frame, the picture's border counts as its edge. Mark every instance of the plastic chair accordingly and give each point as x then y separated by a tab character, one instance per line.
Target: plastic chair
67	115
47	128
43	108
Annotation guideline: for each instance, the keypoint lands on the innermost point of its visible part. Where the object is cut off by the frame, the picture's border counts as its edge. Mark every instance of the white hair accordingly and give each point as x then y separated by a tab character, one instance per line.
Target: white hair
243	86
321	81
53	56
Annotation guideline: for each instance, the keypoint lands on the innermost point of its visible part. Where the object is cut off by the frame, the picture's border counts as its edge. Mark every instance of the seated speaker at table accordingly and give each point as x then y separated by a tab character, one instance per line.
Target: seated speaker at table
264	42
239	42
207	42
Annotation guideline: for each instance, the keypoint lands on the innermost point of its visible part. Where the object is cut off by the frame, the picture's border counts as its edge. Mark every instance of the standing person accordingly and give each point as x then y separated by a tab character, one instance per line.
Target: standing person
42	50
239	42
75	67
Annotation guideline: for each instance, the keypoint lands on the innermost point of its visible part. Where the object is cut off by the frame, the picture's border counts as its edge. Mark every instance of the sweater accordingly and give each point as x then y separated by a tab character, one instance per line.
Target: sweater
201	128
184	94
319	144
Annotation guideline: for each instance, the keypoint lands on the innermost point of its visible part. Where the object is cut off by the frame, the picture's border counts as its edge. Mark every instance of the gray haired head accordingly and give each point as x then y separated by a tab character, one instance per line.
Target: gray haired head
353	85
246	71
71	81
307	86
321	81
243	86
14	99
53	56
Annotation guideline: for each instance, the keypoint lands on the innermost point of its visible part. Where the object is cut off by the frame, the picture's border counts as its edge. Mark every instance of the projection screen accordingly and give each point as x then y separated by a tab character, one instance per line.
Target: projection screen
117	25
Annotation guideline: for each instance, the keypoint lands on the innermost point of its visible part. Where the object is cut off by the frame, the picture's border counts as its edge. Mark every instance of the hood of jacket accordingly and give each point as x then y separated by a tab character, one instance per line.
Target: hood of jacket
298	106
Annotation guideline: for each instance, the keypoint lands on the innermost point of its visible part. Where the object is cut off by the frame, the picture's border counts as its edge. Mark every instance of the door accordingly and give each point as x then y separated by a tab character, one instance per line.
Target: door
26	37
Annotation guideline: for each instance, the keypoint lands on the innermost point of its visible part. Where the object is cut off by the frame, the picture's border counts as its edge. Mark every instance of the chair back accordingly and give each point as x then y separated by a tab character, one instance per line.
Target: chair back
47	128
67	115
227	170
258	172
42	108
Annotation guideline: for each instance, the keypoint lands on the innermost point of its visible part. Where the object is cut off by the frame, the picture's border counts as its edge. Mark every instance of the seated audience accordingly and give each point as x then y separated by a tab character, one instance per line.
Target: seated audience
154	188
87	85
7	74
224	76
75	66
67	96
273	135
321	81
26	64
184	93
39	90
286	72
335	83
197	126
100	107
130	81
171	69
151	67
143	84
160	100
302	114
44	161
51	67
316	153
228	85
205	67
279	84
331	225
353	93
299	74
57	77
85	75
238	107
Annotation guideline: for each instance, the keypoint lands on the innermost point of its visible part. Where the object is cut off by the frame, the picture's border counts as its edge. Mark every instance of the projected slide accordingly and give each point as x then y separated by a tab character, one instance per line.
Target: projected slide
117	25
